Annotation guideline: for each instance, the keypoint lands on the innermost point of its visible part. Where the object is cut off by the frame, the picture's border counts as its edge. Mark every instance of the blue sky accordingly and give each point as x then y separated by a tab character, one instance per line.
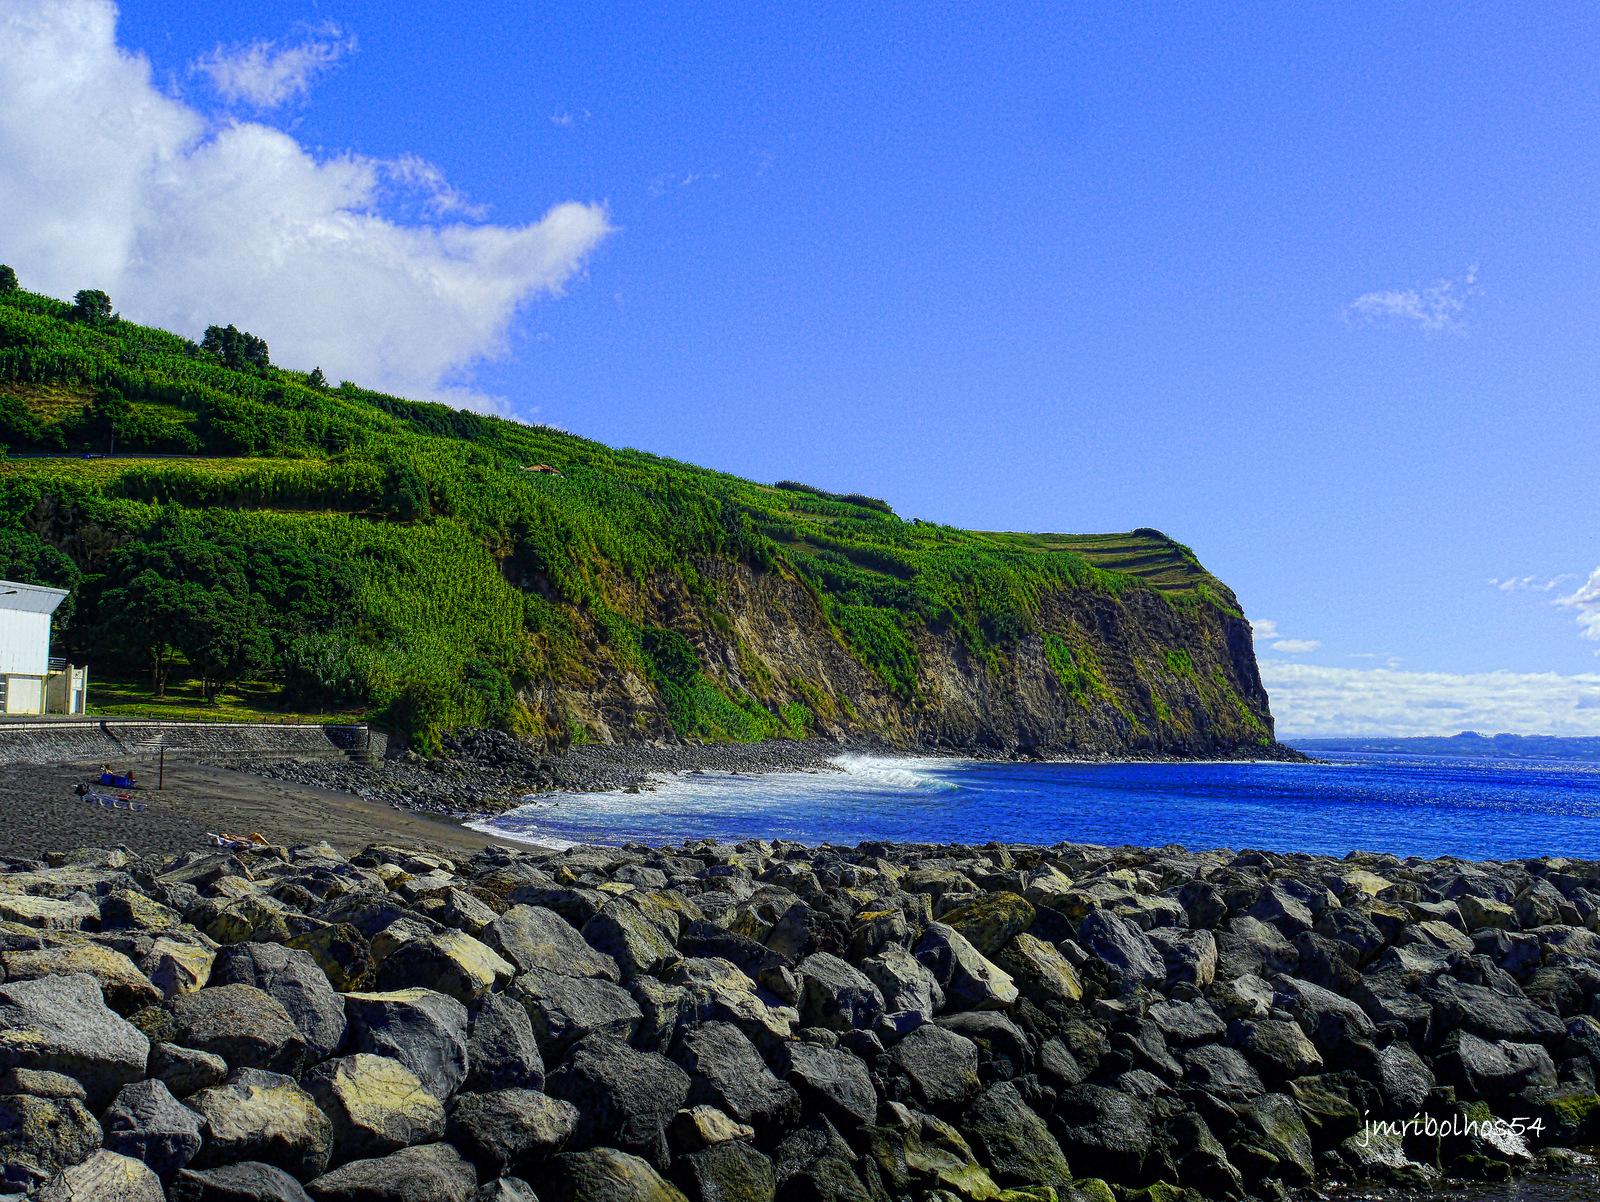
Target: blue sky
1310	288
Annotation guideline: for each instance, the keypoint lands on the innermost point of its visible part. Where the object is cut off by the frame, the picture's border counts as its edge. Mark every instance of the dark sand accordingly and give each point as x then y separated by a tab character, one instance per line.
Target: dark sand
39	813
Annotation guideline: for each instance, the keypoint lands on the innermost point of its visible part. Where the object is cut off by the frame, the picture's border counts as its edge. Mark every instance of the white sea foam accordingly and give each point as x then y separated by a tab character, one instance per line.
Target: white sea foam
728	794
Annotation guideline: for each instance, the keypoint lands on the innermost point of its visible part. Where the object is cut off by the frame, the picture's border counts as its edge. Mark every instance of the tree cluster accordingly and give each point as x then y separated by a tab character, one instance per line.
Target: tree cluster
237	348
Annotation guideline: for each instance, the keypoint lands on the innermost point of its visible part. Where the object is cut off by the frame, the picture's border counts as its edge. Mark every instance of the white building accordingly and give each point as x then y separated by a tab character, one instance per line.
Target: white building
30	681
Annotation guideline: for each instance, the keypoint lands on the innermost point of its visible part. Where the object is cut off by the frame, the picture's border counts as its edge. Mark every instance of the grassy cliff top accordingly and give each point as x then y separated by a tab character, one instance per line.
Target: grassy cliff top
400	556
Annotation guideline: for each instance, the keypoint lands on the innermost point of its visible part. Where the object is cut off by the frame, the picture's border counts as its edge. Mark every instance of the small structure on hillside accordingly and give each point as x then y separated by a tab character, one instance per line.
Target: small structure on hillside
31	682
544	467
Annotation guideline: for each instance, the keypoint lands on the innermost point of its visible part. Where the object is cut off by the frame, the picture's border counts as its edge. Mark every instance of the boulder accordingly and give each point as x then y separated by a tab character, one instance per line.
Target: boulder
147	1123
969	980
449	961
836	995
1013	1141
424	1030
566	1009
250	1181
1271	1141
244	1025
941	1066
1130	959
123	986
429	1173
1041	972
904	982
294	980
726	1071
625	1098
376	1105
532	937
104	1177
991	920
186	1070
40	1136
607	1175
727	1172
501	1049
264	1116
622	932
507	1128
1190	956
831	1079
63	1024
1102	1127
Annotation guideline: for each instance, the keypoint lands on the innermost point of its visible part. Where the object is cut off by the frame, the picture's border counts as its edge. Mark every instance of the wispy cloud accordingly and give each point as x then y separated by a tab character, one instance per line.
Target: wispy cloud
1308	699
1266	633
1438	306
268	74
663	184
108	181
1532	584
566	120
1586	601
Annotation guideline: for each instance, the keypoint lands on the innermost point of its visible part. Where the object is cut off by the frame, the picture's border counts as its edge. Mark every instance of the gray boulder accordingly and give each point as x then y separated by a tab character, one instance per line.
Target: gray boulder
625	1098
376	1105
148	1124
40	1136
502	1052
607	1175
263	1116
726	1071
250	1181
836	995
831	1079
104	1177
622	932
1013	1141
566	1009
429	1173
969	980
940	1065
727	1172
1130	959
244	1025
507	1128
532	937
293	979
63	1024
424	1030
186	1070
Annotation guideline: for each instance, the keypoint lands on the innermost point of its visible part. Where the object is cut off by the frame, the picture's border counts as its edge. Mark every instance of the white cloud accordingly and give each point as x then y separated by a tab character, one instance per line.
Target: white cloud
1438	306
265	75
1586	600
107	182
1264	629
1308	699
1297	646
1532	584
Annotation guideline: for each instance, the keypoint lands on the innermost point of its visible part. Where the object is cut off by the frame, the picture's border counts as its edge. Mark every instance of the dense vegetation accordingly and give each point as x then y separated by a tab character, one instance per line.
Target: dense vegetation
366	552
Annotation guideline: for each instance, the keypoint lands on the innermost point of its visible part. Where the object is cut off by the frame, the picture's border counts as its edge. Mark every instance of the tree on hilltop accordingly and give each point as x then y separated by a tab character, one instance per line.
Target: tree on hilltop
317	380
91	305
237	348
8	278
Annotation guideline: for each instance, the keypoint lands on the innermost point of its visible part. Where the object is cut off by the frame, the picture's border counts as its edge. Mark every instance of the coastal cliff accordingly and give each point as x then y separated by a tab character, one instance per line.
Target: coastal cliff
261	541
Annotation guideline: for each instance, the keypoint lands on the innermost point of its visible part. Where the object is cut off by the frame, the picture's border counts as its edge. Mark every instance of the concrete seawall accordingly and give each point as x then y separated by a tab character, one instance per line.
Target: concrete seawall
136	740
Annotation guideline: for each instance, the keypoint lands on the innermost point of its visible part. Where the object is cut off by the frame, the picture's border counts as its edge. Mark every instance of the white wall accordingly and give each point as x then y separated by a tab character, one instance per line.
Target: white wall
25	695
24	643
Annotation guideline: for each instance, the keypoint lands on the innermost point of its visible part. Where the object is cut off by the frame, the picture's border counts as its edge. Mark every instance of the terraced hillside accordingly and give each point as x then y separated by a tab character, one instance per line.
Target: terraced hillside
346	550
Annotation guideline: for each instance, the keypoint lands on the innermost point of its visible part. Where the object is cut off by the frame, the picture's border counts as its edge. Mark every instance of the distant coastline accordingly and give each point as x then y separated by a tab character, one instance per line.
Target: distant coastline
1467	742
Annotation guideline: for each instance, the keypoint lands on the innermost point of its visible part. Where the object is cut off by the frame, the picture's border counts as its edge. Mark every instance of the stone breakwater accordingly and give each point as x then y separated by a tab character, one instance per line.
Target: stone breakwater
769	1022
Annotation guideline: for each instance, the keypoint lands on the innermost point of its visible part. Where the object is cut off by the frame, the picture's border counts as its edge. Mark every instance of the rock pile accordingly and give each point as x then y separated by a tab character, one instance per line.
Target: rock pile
771	1022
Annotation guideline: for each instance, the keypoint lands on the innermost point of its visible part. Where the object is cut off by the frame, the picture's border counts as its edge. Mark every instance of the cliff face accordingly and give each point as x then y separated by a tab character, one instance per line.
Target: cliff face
1104	674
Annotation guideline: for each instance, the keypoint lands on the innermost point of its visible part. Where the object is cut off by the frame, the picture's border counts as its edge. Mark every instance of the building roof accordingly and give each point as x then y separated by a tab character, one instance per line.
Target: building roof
30	598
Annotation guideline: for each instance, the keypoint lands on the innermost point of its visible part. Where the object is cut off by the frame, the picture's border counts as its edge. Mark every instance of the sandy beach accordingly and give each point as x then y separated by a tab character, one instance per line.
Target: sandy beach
42	814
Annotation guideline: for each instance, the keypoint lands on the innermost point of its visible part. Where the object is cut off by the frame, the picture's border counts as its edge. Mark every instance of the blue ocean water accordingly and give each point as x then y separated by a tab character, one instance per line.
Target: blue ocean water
1473	807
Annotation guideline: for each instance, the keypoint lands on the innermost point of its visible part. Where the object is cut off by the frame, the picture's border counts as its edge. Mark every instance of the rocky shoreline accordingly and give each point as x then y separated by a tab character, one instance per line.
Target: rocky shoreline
486	772
768	1022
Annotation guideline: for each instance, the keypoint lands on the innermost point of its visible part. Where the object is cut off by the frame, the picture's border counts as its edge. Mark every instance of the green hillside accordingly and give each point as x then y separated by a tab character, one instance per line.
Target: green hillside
344	550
